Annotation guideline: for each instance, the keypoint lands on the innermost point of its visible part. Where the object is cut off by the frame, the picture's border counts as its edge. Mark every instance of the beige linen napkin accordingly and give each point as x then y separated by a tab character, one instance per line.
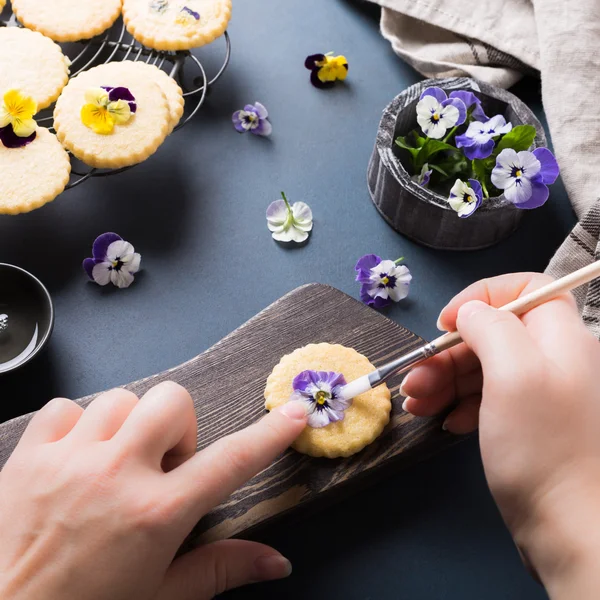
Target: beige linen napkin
499	40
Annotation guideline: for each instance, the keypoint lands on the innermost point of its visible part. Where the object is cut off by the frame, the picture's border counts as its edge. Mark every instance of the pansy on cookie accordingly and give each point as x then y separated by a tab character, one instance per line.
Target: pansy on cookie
17	125
33	174
112	116
33	64
67	20
106	107
337	427
176	24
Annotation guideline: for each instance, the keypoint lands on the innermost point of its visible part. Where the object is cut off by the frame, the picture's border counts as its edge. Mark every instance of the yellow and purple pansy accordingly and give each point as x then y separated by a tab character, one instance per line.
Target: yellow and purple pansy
326	69
106	107
17	125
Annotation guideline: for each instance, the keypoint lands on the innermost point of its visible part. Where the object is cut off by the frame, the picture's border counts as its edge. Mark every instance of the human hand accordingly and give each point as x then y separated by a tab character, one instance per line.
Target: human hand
94	504
531	387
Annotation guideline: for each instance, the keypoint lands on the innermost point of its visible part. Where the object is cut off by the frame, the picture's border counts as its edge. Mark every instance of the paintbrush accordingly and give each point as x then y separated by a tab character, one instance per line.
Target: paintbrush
518	307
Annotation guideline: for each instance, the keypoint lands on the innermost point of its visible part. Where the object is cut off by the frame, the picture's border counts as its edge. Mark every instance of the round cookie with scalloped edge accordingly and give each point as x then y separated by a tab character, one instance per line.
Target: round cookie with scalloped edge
129	143
34	174
176	24
67	20
34	64
167	84
363	421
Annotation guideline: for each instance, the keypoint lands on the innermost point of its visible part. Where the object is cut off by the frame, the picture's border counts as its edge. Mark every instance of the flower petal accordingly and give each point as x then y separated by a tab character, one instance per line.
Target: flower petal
427	106
132	262
120	93
434	92
495	123
101	273
529	163
399	292
476	187
10	140
459	105
98	96
519	192
118	249
312	60
318	419
97	118
88	266
549	167
480	151
435	131
277	212
121	278
24	128
370	300
297	235
470	100
101	244
120	111
261	111
302	212
539	195
264	128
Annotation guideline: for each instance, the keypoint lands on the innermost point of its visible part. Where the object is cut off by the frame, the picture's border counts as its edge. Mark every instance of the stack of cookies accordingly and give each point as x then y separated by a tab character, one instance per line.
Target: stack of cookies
111	116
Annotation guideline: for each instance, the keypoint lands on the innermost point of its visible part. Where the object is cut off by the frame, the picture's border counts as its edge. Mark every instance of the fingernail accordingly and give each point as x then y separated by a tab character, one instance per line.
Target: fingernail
274	566
445	426
402	385
294	410
404	405
439	324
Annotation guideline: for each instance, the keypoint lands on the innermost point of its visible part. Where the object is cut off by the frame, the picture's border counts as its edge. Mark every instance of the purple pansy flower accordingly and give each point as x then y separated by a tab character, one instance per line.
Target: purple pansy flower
477	141
121	93
465	198
436	112
383	281
10	139
472	102
191	12
114	261
525	176
321	392
253	118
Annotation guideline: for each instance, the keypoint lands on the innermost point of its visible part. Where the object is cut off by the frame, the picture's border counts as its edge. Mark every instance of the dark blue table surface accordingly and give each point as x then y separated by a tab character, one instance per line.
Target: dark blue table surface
196	213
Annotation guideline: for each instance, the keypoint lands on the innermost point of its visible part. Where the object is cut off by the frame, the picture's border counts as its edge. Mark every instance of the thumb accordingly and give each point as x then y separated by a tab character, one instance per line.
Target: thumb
498	338
212	569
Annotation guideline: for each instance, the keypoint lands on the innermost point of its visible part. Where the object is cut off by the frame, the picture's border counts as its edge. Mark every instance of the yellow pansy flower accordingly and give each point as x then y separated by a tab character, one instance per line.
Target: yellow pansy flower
326	69
106	107
18	110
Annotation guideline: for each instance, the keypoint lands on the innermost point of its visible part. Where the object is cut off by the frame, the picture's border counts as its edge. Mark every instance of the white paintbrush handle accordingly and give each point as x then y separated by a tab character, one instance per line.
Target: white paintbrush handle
522	305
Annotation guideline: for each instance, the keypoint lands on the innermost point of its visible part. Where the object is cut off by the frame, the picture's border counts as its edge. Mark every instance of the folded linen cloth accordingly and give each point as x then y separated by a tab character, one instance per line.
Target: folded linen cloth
498	42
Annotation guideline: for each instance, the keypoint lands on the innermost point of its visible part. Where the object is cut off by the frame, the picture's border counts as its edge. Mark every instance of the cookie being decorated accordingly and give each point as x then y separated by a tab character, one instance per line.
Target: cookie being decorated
33	64
167	84
67	20
176	24
315	374
112	116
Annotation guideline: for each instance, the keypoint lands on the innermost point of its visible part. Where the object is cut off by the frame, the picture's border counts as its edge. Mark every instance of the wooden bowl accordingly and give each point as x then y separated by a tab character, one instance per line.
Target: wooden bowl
421	214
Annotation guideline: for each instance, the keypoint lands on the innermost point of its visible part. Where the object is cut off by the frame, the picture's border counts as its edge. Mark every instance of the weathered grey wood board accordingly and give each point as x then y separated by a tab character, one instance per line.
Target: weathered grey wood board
227	383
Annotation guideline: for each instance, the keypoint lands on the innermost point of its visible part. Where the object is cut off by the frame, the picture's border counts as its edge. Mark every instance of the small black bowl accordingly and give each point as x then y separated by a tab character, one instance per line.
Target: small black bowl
26	317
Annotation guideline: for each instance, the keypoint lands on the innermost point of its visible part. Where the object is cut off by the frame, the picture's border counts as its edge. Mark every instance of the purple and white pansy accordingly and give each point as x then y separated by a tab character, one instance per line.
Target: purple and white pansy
525	176
424	176
289	222
465	198
436	112
321	392
383	281
253	118
114	261
478	140
472	103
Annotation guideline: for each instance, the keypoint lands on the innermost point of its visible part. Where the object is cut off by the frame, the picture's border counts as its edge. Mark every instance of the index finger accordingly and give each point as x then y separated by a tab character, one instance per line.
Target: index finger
217	471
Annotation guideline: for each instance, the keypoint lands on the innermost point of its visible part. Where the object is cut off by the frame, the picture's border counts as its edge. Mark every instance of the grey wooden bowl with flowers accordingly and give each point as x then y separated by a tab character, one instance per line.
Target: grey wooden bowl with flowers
455	163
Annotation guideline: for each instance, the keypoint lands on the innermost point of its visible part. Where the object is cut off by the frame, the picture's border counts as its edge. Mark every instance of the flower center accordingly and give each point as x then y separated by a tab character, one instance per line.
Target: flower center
385	280
116	264
468	198
321	397
435	117
517	172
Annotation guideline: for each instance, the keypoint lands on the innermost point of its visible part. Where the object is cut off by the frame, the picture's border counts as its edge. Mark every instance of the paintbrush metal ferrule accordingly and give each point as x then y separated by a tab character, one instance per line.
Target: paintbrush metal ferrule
402	364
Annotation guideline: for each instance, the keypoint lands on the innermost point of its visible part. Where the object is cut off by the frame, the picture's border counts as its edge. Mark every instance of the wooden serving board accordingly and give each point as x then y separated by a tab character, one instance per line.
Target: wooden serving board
227	383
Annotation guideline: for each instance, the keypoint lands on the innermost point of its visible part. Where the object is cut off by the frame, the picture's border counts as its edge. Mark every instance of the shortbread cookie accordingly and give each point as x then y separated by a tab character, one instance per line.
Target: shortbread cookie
33	175
128	142
67	20
176	24
33	64
167	84
363	421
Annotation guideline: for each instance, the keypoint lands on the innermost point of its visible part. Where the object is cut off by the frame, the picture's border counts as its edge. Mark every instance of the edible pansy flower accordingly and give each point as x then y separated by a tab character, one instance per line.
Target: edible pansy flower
383	281
17	125
253	118
478	140
107	107
326	69
436	112
321	392
472	102
424	176
289	223
114	261
465	198
187	16
525	176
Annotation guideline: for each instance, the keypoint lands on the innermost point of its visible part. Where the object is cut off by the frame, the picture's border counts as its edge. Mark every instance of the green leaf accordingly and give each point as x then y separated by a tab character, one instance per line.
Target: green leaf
430	148
479	170
519	138
439	170
403	143
454	165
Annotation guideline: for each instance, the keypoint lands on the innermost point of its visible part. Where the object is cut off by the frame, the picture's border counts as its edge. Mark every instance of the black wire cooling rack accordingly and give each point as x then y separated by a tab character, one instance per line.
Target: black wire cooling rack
118	45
